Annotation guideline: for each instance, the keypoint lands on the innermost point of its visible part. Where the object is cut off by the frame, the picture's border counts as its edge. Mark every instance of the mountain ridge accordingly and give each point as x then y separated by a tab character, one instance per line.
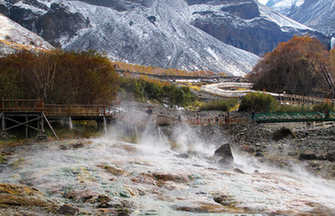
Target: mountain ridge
189	34
317	14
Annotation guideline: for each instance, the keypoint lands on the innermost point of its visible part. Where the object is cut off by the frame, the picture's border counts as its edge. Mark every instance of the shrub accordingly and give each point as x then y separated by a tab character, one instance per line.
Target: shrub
156	90
323	107
219	105
258	102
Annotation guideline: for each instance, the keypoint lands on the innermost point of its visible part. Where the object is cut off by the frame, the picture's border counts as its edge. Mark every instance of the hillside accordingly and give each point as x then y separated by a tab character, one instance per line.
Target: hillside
14	37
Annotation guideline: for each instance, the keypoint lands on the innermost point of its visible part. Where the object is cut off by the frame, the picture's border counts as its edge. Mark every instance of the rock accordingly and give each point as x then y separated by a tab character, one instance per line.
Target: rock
77	145
170	177
225	153
67	210
224	200
239	171
331	156
308	155
282	134
63	147
3	159
103	199
118	208
204	207
82	196
124	194
292	154
114	170
259	154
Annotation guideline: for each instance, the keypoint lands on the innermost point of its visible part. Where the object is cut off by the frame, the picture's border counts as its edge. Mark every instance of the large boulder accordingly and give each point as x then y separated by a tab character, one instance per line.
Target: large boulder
308	155
331	156
283	133
225	153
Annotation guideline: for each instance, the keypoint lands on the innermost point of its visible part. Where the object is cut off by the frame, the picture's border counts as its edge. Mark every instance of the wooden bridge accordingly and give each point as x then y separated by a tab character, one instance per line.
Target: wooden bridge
278	117
33	114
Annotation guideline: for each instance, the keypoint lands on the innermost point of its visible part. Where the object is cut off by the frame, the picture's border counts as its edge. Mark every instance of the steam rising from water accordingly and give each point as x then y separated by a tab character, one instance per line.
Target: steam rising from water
259	187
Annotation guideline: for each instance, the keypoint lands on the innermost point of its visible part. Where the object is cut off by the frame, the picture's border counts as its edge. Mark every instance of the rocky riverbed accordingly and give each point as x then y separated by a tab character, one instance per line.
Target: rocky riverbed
284	147
174	169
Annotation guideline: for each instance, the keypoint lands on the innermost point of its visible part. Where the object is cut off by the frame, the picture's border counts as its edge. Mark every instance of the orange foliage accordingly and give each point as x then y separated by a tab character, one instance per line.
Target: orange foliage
295	66
159	71
58	77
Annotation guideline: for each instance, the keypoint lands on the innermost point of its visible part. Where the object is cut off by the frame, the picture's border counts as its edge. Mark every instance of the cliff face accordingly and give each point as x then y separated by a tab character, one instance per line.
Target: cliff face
185	34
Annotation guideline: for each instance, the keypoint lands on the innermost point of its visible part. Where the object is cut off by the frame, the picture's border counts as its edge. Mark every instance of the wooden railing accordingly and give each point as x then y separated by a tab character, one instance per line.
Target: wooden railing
277	117
24	105
297	99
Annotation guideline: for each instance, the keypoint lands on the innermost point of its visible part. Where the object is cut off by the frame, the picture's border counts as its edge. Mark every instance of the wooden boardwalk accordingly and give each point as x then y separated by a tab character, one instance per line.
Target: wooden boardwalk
33	114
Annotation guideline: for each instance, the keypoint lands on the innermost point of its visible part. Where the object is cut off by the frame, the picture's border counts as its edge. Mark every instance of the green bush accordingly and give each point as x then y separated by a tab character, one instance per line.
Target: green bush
323	107
258	102
155	90
220	105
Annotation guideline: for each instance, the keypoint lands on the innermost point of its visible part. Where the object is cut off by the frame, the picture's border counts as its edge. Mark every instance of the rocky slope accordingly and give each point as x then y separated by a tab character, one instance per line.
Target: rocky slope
187	34
287	147
14	37
317	14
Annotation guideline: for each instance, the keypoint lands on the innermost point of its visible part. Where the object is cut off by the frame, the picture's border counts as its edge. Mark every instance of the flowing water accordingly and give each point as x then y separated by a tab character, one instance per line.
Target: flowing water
252	189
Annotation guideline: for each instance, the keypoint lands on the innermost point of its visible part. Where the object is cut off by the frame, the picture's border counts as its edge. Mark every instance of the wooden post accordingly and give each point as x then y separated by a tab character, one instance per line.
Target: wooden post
53	131
42	124
105	125
27	128
38	122
3	122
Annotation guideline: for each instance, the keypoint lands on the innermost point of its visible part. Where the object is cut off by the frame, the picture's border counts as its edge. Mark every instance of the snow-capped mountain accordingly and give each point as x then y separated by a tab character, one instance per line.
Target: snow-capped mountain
247	25
317	14
186	34
13	36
